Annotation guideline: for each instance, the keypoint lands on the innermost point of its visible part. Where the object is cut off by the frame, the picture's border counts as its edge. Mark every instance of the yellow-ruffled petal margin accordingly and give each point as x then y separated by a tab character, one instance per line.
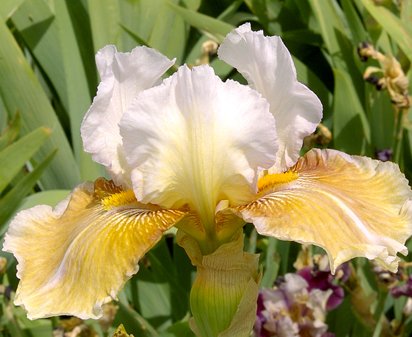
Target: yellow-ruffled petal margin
349	205
75	258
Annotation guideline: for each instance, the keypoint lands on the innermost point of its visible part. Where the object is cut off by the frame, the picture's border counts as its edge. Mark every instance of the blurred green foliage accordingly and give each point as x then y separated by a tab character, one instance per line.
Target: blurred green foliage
48	79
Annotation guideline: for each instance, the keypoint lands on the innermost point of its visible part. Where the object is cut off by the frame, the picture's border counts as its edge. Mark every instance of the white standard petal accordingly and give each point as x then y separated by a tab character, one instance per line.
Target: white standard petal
123	76
195	140
267	65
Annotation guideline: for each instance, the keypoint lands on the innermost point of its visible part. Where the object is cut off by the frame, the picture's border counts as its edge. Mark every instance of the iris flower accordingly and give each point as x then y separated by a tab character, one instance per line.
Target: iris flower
206	156
292	309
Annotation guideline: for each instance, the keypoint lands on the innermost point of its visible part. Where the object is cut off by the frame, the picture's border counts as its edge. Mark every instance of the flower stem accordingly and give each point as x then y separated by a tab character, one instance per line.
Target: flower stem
379	313
398	134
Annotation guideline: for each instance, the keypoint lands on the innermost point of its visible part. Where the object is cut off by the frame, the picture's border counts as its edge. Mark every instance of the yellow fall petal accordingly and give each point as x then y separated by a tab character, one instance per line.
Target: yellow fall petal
350	206
76	257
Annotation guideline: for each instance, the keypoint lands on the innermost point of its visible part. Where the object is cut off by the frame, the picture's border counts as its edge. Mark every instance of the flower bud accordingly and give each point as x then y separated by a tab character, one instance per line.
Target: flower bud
223	296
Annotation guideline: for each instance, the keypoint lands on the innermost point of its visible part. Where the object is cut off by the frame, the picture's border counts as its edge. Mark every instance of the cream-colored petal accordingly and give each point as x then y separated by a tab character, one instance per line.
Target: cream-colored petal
196	140
75	258
268	67
349	205
123	76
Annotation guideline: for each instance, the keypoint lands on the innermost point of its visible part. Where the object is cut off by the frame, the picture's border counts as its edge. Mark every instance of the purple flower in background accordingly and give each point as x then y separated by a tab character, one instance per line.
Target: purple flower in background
291	309
384	155
403	290
260	318
321	278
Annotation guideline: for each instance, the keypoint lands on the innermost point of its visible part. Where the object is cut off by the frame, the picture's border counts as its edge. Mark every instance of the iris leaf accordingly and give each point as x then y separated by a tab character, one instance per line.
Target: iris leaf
21	91
393	25
11	132
105	23
16	155
215	28
350	127
329	18
11	200
80	75
8	7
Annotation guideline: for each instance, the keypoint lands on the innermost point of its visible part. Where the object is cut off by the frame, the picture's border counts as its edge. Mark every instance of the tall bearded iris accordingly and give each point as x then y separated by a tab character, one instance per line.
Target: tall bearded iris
205	156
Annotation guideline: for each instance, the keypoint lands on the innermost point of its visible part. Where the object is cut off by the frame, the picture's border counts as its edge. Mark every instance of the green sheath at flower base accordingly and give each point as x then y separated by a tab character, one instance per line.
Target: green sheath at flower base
223	296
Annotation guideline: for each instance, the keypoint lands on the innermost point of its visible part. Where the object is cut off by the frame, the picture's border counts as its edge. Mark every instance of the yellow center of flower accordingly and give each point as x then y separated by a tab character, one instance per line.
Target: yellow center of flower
118	199
273	180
